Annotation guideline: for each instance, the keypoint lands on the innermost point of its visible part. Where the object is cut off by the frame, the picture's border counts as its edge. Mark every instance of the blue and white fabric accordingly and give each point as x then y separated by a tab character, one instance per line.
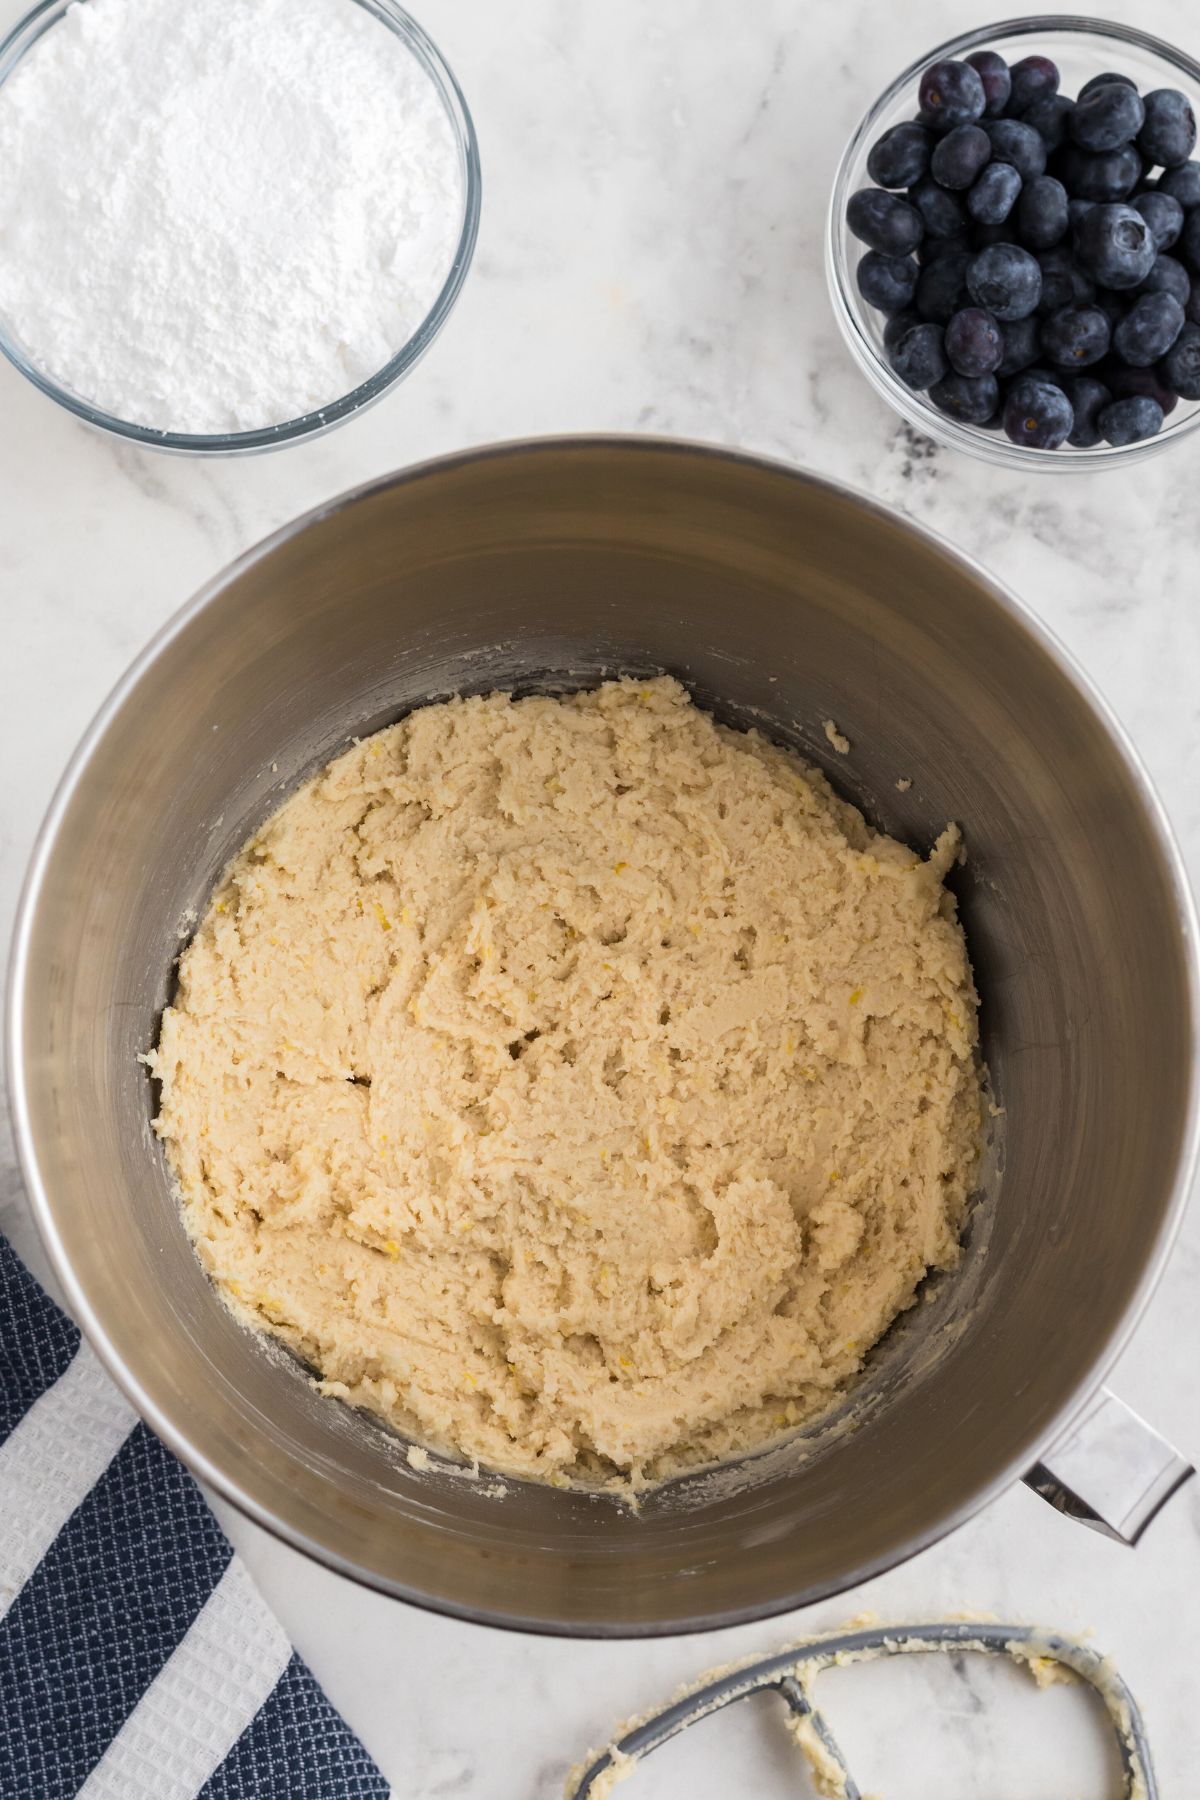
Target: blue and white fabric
138	1661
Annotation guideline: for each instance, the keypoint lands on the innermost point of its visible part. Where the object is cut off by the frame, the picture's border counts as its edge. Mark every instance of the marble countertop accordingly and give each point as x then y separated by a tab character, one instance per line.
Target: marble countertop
650	259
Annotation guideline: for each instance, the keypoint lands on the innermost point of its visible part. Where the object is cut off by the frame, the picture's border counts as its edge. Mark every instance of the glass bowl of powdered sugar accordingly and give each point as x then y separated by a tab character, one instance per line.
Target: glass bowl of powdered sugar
229	224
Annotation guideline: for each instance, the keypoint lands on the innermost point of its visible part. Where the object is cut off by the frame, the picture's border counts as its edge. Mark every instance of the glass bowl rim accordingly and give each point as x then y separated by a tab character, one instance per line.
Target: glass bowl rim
976	440
14	47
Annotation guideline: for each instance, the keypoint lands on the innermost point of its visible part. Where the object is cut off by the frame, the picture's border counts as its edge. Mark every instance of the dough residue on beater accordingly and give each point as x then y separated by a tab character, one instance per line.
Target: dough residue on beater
577	1083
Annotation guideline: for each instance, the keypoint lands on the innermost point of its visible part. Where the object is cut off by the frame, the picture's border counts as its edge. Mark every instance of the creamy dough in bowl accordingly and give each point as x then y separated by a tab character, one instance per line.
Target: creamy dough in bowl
576	1083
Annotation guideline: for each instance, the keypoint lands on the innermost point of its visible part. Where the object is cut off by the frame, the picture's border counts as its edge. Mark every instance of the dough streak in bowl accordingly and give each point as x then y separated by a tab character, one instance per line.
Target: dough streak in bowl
576	1083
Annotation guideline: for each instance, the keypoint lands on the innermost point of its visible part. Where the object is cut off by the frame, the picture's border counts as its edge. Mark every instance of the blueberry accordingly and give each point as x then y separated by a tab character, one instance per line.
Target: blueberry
1163	214
1106	176
960	155
1168	135
1088	397
1148	329
992	70
887	282
884	221
1019	144
1033	78
1052	377
1129	421
1168	277
1061	280
972	400
1064	283
942	289
1181	365
994	194
1076	337
898	324
1124	381
1111	115
930	248
1183	183
943	213
919	359
1115	244
1042	212
1076	209
1189	241
901	155
1006	280
1099	81
951	93
974	342
1037	413
1192	305
1113	306
1022	345
1049	118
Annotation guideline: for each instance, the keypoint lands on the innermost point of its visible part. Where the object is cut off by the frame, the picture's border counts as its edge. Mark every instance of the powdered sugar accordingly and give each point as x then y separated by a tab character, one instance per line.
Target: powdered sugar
217	215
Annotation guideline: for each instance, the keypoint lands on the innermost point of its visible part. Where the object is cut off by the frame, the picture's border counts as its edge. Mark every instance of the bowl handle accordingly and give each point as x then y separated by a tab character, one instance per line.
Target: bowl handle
1111	1471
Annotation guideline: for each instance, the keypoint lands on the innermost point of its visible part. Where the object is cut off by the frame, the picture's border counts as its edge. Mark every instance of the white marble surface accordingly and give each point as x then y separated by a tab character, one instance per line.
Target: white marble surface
650	259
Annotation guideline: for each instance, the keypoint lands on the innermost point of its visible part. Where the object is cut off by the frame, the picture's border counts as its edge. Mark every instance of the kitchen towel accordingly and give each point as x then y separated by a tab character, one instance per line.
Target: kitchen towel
138	1661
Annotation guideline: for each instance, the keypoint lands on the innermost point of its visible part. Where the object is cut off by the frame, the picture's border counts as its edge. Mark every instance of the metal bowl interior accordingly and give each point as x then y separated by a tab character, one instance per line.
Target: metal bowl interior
22	38
782	601
1081	47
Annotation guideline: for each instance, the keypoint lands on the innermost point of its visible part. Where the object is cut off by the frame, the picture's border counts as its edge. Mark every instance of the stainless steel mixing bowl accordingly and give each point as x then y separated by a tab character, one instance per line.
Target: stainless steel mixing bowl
781	600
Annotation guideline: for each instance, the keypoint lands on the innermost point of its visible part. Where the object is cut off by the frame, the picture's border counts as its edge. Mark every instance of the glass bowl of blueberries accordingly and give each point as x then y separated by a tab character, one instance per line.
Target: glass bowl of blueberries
1013	248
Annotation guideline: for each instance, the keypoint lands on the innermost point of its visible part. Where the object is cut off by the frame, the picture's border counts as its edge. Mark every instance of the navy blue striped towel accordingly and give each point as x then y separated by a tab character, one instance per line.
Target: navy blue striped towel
138	1661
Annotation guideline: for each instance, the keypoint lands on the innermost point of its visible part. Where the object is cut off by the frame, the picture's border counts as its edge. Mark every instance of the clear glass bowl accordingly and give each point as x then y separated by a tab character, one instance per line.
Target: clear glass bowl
43	18
1081	48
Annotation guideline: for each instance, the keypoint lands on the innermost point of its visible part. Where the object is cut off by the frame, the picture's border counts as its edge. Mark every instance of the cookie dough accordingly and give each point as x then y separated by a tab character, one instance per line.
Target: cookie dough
576	1083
